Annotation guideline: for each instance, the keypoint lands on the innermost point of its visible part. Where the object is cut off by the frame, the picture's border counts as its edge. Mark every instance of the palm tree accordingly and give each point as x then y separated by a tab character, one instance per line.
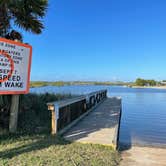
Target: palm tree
25	14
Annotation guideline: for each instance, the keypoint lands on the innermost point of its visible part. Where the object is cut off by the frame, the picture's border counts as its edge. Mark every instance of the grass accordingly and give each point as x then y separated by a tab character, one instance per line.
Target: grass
33	145
34	84
34	116
53	151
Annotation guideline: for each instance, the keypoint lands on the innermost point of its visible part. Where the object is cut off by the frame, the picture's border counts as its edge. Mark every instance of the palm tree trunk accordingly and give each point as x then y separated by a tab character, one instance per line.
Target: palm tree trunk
4	26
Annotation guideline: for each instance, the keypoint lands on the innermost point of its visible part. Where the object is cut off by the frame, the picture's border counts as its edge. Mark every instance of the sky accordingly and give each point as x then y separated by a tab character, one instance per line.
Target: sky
100	40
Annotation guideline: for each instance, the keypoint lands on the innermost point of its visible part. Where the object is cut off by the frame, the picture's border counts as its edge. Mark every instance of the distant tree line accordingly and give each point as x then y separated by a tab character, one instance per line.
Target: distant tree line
143	82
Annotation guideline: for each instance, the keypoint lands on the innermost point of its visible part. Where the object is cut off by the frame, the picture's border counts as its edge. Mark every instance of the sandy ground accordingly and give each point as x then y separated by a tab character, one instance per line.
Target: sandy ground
143	156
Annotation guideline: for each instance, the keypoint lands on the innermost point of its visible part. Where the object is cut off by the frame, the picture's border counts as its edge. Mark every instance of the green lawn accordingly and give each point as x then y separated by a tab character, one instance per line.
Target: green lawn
45	150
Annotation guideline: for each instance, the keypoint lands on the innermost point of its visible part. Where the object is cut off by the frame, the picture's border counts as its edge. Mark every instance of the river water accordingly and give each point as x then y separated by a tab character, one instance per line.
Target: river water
143	119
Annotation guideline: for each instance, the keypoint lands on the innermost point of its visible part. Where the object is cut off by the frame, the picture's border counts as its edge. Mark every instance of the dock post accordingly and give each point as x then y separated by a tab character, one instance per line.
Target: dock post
53	120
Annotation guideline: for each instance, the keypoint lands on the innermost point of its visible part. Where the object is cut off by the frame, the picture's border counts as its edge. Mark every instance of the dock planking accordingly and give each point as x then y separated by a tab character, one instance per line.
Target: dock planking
100	126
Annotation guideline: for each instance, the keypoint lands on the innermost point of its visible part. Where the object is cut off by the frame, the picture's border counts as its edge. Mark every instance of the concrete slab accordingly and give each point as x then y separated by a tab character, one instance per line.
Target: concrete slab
143	156
100	126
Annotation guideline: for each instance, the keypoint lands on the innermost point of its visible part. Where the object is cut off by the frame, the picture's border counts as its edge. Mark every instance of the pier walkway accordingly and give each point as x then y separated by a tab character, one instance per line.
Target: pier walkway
100	126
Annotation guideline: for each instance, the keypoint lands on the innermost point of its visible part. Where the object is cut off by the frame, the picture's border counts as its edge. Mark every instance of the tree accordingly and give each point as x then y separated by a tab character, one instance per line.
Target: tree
25	14
152	82
140	82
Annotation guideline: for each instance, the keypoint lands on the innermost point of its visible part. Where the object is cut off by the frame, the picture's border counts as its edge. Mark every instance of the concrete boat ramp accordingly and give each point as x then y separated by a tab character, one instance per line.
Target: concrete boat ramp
95	119
143	156
100	126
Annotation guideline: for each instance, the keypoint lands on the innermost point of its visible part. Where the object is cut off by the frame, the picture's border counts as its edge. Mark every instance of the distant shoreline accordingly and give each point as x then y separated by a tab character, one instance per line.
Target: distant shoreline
150	87
35	84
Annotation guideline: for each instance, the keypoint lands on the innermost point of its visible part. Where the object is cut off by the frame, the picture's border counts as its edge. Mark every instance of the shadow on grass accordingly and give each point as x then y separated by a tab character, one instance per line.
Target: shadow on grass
38	143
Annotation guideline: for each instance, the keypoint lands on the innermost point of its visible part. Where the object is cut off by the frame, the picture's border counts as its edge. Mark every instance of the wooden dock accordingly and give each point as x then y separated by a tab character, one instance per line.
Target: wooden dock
100	126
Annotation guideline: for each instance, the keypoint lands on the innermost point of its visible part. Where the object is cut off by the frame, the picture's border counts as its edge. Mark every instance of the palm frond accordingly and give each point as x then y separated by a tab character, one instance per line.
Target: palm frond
30	24
4	19
26	14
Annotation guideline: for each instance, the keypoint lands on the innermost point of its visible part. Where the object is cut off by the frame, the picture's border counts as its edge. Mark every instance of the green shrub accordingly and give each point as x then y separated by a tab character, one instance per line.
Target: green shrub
34	116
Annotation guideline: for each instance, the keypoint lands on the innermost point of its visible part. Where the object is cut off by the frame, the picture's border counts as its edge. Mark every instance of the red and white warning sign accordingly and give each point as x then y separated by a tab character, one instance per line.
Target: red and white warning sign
15	64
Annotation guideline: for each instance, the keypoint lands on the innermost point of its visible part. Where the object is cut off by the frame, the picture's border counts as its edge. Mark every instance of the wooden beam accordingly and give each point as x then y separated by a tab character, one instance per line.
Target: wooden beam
53	123
53	119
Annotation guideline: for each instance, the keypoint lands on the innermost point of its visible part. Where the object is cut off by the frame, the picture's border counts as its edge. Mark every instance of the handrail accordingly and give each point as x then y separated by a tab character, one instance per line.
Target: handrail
66	102
68	110
99	91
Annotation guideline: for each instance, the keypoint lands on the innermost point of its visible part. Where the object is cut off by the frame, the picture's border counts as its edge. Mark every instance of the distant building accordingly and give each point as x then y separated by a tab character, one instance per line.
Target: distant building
163	82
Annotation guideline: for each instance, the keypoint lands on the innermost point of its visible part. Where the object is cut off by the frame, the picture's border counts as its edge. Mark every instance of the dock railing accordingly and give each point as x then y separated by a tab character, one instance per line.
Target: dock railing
66	113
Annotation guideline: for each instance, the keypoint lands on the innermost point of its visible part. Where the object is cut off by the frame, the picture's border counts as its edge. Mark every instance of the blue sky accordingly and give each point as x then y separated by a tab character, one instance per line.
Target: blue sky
101	40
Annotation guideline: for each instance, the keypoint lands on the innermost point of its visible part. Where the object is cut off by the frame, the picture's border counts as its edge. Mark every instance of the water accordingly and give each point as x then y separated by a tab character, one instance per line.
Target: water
143	111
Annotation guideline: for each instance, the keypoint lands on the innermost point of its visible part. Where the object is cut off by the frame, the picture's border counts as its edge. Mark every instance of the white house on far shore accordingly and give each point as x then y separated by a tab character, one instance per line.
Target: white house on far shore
163	82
